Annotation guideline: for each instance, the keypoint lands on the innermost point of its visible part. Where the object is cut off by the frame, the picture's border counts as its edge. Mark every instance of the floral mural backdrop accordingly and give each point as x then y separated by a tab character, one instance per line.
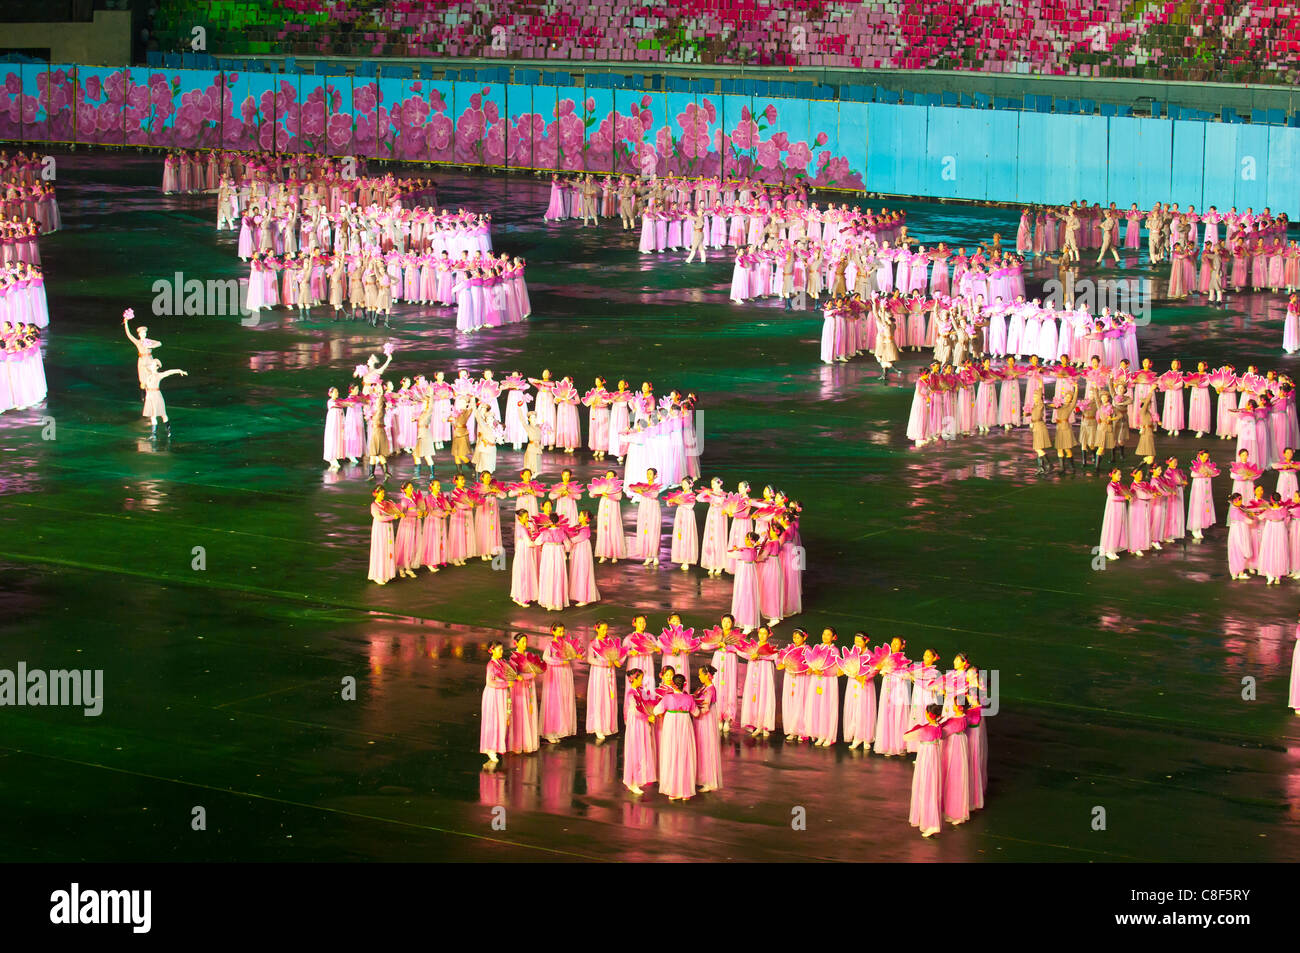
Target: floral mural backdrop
487	124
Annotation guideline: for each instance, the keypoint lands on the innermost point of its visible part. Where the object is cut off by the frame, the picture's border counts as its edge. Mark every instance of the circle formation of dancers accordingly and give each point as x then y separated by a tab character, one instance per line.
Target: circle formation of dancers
672	734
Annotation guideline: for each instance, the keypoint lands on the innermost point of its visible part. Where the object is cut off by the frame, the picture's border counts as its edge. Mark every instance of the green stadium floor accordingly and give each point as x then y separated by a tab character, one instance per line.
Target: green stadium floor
1119	689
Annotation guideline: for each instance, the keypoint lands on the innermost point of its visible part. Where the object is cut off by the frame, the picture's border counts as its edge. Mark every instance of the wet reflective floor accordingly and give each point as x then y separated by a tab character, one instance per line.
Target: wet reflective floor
1124	695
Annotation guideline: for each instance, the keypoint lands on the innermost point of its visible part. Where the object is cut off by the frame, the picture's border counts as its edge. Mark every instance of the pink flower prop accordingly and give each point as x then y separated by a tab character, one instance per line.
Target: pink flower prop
715	639
643	643
676	640
822	660
610	649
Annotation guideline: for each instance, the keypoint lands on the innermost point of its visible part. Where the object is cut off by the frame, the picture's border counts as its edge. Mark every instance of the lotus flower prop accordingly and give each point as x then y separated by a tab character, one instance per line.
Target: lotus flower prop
676	640
643	643
731	639
567	648
822	660
527	663
856	663
611	650
792	659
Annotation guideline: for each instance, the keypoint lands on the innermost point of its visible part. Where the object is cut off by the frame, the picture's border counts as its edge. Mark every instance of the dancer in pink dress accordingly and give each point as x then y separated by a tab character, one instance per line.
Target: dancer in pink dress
552	570
857	665
979	777
487	516
758	698
1114	523
495	712
821	714
1294	698
433	532
926	810
685	539
559	703
895	701
713	551
677	756
494	718
611	544
522	736
383	564
725	640
582	569
744	586
1200	507
649	526
771	579
641	648
640	756
955	752
794	688
407	543
708	743
604	654
523	567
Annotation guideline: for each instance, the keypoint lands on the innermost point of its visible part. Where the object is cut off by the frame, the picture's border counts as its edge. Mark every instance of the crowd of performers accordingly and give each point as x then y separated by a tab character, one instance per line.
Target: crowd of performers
1049	229
22	294
22	376
958	329
27	194
422	416
923	710
557	546
1111	404
627	197
487	290
27	210
866	264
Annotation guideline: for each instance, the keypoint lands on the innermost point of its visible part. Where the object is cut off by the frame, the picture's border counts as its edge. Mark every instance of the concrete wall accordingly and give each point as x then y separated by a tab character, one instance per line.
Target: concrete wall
106	41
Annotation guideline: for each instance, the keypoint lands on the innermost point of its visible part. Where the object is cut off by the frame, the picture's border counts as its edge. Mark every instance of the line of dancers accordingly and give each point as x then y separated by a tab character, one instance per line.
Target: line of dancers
922	709
419	418
203	170
280	223
1048	229
1111	403
488	291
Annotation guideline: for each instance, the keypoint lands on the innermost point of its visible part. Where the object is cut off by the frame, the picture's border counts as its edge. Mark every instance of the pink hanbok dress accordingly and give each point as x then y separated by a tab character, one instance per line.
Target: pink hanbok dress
649	527
708	744
860	711
758	699
677	756
407	544
686	539
640	756
744	589
523	568
495	711
552	570
582	569
955	751
926	811
713	549
383	562
893	715
559	703
602	696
